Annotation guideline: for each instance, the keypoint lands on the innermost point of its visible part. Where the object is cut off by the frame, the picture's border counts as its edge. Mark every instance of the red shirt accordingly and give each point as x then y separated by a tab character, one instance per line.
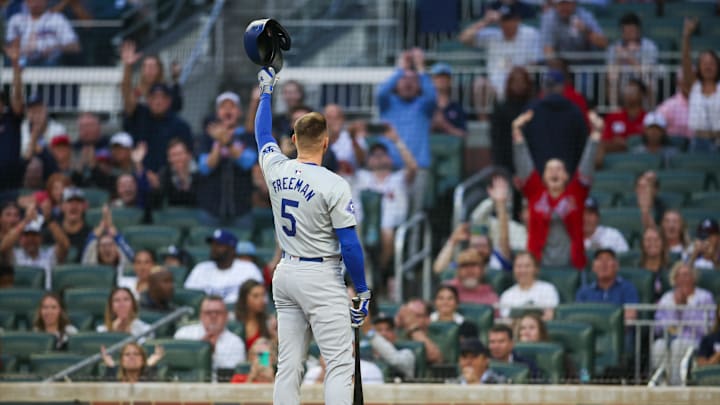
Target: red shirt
577	98
619	124
569	206
481	294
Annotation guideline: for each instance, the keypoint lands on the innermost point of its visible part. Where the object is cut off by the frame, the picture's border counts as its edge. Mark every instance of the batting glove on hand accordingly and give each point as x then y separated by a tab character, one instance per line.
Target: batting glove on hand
358	315
267	79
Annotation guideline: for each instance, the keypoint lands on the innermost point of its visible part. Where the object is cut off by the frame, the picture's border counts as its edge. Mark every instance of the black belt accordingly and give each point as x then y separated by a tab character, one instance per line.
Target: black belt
303	259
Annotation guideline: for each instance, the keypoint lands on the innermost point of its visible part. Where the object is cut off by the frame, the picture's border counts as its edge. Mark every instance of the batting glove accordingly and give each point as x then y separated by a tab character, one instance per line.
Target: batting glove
358	315
267	79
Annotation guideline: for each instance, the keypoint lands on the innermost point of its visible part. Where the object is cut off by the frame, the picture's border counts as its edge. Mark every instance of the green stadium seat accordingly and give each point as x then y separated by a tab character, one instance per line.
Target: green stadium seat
578	339
83	276
265	237
198	234
151	317
704	199
447	155
693	216
199	253
186	360
236	326
671	199
8	363
627	220
29	277
631	162
677	141
179	274
151	236
418	349
604	199
48	364
499	280
608	323
388	308
177	217
82	320
263	218
23	344
706	376
629	258
453	46
565	281
515	373
643	280
96	197
445	335
90	300
613	181
549	358
21	302
122	217
265	254
88	343
681	181
7	320
710	280
372	213
189	298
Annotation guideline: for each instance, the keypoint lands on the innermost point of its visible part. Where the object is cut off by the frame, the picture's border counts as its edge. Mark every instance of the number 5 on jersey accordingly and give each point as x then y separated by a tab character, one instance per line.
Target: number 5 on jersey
289	216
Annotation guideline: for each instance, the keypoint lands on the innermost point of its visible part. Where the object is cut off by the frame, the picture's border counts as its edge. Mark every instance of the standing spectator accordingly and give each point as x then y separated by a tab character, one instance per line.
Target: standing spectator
135	365
159	295
476	239
469	280
413	320
52	318
10	216
500	343
12	164
447	301
382	337
555	228
121	157
86	149
57	157
121	314
449	117
705	250
143	262
608	286
675	109
709	351
531	329
652	207
39	126
505	233
348	144
45	36
569	92
655	139
513	44
654	258
407	102
675	337
179	180
250	310
620	125
223	274
674	234
72	221
704	98
228	349
152	72
567	28
529	291
599	236
474	364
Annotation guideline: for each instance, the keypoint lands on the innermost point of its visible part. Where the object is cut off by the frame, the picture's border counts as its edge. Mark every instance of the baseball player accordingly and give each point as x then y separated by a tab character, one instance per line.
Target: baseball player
315	226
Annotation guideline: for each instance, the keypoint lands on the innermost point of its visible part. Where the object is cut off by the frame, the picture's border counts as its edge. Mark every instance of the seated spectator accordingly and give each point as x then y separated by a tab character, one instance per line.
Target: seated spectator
52	318
89	136
38	128
371	373
512	44
469	279
160	292
380	332
121	154
709	351
152	72
228	349
449	117
500	343
562	65
7	276
223	274
608	287
704	253
475	239
347	143
178	180
128	193
555	234
72	221
655	259
599	236
250	310
675	337
655	140
121	314
56	156
509	235
567	28
12	158
394	185
528	290
628	121
675	109
531	329
446	304
143	262
704	97
44	35
474	362
106	246
263	360
413	320
651	206
135	365
673	231
174	256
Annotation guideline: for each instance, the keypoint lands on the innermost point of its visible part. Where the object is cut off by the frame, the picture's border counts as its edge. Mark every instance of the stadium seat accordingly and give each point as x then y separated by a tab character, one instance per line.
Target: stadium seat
372	213
608	323
22	302
7	320
198	234
23	344
453	46
681	181
236	327
565	281
418	349
693	216
479	314
548	356
643	280
151	317
90	300
179	274
151	236
702	199
631	162
48	364
604	199
578	339
122	217
177	217
265	237
29	277
388	308
83	276
8	363
670	198
616	182
82	320
706	376
445	335
625	219
710	280
189	298
88	343
629	258
447	155
199	253
499	280
262	218
96	197
186	360
515	373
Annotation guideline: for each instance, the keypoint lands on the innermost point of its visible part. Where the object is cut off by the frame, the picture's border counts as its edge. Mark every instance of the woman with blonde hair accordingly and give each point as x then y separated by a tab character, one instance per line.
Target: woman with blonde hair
51	317
135	365
121	314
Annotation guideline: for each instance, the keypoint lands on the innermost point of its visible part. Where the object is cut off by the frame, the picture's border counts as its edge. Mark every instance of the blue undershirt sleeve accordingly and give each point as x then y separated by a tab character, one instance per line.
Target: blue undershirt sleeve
263	122
352	255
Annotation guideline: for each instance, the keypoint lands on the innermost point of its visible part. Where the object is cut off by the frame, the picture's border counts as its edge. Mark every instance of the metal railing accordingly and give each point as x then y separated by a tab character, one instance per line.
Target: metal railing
409	256
201	41
468	195
95	358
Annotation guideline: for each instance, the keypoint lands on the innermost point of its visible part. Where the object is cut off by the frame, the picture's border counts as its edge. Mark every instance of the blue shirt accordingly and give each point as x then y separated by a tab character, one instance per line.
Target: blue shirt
620	292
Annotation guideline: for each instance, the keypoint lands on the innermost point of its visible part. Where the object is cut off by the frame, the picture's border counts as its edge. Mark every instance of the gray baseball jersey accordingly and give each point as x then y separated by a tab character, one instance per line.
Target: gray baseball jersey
308	203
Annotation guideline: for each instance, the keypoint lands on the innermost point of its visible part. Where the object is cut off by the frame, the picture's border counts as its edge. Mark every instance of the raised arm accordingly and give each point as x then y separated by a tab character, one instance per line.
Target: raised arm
129	58
521	155
12	51
263	117
499	192
587	161
407	156
445	256
689	28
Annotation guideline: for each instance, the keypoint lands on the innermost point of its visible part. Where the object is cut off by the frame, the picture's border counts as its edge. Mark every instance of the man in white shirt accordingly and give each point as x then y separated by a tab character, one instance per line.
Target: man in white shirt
598	236
228	348
348	144
223	274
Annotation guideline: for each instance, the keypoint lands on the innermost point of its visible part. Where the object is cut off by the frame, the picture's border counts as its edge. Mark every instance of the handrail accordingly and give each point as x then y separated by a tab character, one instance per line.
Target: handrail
202	39
171	317
418	222
685	365
460	211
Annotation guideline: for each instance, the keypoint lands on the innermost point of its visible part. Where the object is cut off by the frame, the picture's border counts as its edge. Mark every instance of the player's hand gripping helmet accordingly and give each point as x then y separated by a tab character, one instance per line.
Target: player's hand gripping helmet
264	42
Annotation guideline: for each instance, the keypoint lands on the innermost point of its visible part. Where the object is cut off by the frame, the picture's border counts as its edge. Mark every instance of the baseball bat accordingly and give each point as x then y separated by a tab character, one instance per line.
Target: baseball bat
357	390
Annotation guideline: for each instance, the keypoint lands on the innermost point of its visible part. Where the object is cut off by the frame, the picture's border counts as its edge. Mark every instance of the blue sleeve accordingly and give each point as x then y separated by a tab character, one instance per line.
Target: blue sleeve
263	121
352	255
203	167
386	89
428	94
247	159
124	246
631	294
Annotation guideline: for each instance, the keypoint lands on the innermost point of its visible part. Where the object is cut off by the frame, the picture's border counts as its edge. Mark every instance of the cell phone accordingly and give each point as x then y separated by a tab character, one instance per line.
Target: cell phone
376	128
264	359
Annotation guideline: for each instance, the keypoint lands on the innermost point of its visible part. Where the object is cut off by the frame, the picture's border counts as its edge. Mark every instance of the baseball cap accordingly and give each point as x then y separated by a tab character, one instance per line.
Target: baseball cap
469	256
592	204
654	118
222	237
604	250
441	68
384	317
35	99
508	11
34	226
245	248
160	87
62	139
228	95
706	228
122	139
73	193
554	77
473	346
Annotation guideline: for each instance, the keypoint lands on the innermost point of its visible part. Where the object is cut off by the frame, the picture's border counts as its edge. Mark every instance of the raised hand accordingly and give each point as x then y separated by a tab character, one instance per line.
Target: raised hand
267	79
461	233
128	53
391	134
690	26
12	51
522	119
138	154
597	123
418	58
106	358
499	190
157	355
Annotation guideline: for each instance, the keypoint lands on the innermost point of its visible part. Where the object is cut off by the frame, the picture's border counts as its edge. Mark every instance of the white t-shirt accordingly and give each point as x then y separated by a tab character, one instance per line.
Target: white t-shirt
371	373
541	294
49	32
343	148
206	276
53	129
46	259
229	348
395	195
703	110
606	237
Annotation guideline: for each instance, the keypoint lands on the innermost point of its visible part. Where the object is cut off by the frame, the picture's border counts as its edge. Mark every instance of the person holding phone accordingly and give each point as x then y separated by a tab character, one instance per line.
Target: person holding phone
262	358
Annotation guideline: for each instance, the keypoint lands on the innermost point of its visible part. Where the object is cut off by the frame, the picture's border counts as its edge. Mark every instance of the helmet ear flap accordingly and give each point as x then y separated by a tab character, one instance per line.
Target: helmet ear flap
264	42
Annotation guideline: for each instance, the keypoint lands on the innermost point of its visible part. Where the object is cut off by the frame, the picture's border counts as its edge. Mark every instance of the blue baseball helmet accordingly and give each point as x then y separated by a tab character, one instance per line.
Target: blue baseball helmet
264	42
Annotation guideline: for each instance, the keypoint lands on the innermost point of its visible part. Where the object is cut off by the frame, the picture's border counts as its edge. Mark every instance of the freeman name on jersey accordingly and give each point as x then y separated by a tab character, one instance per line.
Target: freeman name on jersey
293	183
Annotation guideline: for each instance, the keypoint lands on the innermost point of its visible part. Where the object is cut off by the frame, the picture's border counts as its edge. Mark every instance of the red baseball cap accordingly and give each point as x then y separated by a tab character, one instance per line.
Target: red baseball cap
60	140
